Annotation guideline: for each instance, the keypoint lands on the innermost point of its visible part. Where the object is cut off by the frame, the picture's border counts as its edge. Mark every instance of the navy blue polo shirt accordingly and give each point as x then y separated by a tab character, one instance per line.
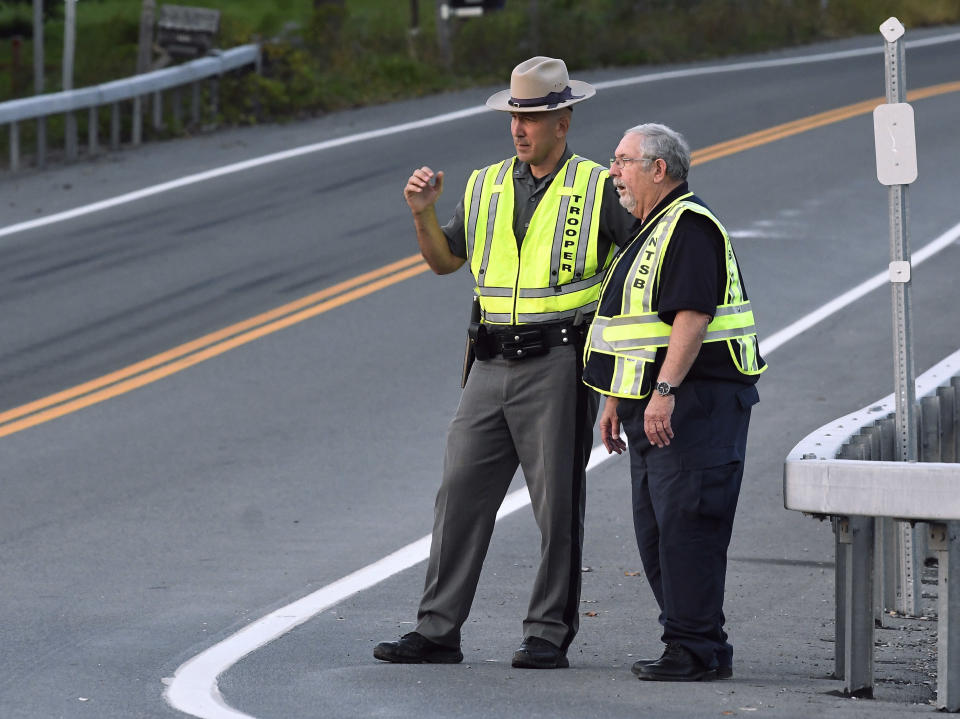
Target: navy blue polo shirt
692	277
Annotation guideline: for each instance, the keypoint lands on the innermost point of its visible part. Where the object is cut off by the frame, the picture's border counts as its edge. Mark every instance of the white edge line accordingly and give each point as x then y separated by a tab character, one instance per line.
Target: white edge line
429	122
236	167
193	689
804	323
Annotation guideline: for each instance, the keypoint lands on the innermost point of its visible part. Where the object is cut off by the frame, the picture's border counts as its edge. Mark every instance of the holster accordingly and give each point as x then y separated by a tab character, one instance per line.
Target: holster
469	353
481	341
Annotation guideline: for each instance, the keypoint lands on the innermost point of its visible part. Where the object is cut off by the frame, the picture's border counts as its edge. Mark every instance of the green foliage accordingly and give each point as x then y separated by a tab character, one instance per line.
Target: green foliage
285	89
362	52
320	57
16	16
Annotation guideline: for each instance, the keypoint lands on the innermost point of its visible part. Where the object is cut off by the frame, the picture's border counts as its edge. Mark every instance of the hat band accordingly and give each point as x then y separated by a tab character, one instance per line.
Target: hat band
551	100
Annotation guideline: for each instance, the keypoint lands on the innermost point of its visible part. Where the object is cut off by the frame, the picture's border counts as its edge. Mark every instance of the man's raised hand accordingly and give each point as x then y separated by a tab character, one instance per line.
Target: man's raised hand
423	188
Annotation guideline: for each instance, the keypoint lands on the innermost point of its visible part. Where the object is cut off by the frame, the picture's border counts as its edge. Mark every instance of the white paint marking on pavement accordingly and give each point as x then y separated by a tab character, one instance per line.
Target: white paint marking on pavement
762	64
804	323
234	168
429	122
193	688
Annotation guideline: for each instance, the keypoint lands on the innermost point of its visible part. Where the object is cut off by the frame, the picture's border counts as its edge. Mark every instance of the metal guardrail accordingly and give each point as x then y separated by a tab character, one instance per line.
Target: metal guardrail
846	471
113	93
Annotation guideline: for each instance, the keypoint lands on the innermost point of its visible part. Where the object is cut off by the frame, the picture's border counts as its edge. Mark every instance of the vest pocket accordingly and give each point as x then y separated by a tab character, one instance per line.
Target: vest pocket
629	377
745	352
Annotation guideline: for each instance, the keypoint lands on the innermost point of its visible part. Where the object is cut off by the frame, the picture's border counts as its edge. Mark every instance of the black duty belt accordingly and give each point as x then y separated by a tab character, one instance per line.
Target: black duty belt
523	341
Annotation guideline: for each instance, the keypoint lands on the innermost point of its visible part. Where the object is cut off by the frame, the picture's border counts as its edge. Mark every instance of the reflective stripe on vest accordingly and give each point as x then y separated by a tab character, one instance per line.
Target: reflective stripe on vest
632	338
555	273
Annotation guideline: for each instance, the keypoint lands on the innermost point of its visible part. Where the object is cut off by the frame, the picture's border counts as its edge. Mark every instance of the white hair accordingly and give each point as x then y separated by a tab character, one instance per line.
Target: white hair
667	144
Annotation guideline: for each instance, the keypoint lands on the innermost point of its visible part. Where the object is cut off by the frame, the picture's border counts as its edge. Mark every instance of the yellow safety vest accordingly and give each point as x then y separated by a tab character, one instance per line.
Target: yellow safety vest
633	335
555	273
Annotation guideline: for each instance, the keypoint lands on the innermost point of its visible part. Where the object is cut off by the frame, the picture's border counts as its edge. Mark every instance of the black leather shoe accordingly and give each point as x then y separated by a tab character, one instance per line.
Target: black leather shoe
723	671
640	664
537	653
678	664
414	648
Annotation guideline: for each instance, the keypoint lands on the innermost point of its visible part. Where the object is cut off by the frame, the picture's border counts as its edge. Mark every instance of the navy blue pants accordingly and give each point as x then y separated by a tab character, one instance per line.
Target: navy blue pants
684	500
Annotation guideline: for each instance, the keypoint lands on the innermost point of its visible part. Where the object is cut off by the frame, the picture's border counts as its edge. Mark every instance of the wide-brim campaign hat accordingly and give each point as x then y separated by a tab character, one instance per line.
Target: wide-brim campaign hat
540	84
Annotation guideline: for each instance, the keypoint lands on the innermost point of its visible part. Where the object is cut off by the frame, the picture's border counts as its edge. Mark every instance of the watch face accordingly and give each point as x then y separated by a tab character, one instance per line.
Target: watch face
663	388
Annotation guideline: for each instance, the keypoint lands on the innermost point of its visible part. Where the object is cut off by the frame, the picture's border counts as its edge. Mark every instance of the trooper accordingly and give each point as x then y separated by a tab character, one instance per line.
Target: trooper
674	347
537	231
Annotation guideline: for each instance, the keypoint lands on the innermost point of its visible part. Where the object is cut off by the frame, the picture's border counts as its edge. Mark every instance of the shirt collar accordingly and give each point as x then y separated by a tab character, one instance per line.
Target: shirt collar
676	192
521	170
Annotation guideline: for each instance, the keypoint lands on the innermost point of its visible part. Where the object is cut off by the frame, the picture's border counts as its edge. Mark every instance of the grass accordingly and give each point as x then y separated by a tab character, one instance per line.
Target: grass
323	59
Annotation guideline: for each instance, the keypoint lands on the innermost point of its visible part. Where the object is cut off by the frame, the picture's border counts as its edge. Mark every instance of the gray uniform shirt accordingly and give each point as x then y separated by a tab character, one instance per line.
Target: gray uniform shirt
615	221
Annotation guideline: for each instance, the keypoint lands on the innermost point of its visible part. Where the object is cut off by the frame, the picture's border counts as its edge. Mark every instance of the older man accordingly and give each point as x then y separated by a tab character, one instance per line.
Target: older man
674	348
537	230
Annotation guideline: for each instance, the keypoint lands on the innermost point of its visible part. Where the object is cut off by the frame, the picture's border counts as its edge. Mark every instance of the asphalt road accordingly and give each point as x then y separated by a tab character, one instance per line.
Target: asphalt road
141	530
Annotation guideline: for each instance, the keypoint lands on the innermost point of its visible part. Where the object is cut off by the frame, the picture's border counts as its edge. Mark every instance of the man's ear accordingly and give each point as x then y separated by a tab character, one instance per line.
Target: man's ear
660	174
563	121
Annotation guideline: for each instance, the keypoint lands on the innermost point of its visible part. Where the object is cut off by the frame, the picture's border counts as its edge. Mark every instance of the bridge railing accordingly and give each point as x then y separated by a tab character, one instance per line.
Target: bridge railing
132	91
888	516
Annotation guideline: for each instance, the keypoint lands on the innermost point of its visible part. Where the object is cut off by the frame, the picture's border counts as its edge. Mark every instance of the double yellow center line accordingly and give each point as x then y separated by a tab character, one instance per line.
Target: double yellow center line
805	124
216	343
203	348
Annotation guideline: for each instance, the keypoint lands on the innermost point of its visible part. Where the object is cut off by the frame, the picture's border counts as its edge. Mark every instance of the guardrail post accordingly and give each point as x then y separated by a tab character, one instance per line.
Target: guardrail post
948	441
945	538
928	436
70	135
93	141
888	433
955	383
874	435
214	99
137	120
858	659
41	142
115	126
886	528
841	545
177	108
158	110
14	147
843	561
856	538
930	429
195	109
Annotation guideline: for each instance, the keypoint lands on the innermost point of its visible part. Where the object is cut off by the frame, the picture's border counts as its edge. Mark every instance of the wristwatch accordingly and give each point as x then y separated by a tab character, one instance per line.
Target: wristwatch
665	388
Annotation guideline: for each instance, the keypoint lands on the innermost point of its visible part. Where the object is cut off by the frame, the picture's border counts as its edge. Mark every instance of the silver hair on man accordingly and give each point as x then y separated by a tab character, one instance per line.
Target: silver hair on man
669	145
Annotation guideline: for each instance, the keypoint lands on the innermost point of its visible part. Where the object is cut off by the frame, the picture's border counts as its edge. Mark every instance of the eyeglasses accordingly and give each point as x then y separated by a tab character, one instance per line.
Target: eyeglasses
622	161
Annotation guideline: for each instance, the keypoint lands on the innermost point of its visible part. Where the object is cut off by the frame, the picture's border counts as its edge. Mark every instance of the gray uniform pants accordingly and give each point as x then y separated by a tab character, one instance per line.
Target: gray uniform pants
538	414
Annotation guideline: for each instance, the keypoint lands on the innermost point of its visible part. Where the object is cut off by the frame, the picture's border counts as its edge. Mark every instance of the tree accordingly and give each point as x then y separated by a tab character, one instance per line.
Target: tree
330	13
323	34
51	8
20	21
